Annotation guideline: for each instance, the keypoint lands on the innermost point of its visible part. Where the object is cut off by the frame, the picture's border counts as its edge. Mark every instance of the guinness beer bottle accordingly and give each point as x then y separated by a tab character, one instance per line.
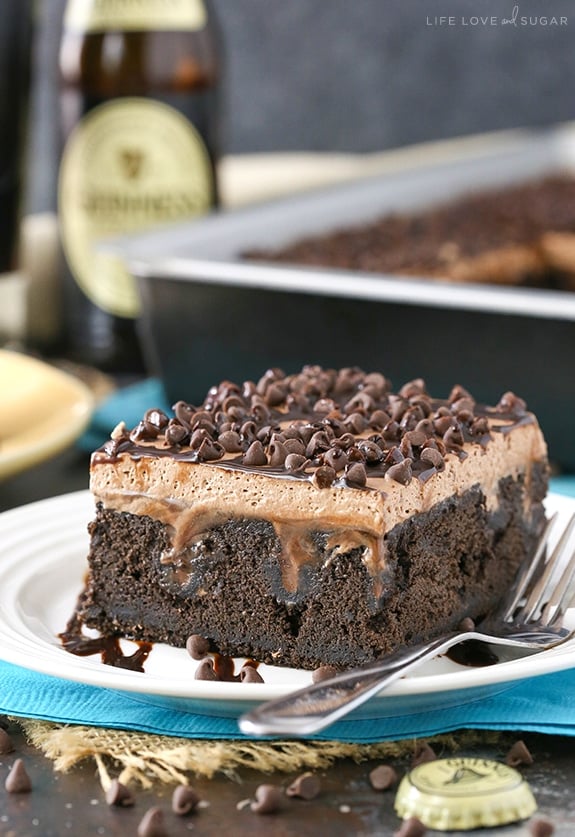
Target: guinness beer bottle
139	112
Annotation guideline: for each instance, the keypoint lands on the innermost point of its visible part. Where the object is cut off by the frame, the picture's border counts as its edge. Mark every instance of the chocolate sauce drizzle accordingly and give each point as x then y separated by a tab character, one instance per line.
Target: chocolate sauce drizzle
76	642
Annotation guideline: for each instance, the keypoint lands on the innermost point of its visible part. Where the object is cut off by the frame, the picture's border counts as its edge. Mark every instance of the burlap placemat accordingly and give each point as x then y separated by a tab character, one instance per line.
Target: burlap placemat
145	759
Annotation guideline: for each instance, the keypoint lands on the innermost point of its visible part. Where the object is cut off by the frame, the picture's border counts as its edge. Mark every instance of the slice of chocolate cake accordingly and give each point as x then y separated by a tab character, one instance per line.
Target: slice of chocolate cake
314	518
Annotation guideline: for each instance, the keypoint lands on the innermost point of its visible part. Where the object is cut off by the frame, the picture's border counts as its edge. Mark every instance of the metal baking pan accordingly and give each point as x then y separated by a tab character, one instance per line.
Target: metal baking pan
211	314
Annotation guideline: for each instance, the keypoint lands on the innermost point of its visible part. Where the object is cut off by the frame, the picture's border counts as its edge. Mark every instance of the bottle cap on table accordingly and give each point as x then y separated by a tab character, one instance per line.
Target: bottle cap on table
464	793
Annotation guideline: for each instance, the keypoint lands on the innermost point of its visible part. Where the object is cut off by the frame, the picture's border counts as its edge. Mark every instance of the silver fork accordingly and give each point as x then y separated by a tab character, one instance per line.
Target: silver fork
530	618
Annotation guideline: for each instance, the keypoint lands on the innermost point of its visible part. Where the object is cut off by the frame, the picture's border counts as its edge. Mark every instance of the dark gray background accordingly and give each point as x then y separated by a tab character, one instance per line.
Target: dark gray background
357	75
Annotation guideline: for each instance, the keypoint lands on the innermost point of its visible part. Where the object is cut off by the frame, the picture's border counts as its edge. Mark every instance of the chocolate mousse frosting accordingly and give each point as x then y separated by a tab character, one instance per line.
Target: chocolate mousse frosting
278	513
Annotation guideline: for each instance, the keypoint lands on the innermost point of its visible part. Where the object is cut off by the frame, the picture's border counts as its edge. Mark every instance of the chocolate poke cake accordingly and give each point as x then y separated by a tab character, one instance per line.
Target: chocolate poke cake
313	518
519	235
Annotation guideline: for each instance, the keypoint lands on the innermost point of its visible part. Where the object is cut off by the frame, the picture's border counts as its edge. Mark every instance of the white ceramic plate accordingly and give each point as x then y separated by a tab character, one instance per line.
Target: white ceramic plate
42	411
44	548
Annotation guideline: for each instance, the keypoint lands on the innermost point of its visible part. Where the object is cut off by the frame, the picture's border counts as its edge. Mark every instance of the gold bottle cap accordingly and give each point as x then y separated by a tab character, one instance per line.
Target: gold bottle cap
464	793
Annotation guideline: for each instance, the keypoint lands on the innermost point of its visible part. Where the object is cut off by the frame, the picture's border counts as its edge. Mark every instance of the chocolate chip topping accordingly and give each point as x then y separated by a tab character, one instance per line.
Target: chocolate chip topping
197	646
518	754
184	800
306	786
6	743
541	827
119	795
267	799
324	673
206	671
411	827
18	780
330	427
152	824
383	777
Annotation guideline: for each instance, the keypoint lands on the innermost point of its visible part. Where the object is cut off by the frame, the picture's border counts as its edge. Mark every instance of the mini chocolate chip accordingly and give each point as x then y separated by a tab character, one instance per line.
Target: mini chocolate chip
175	433
371	451
324	476
453	438
423	754
541	827
6	743
355	474
383	777
458	392
119	795
393	455
319	442
199	435
295	446
209	451
362	402
197	646
324	673
324	405
255	455
356	423
405	448
152	824
18	780
463	405
268	799
275	394
260	412
248	431
518	754
411	827
379	419
345	441
335	458
249	674
464	416
441	412
306	786
205	670
391	431
184	412
184	800
442	424
401	472
232	401
467	624
479	426
411	388
416	437
411	418
295	462
277	453
511	403
144	432
432	456
230	441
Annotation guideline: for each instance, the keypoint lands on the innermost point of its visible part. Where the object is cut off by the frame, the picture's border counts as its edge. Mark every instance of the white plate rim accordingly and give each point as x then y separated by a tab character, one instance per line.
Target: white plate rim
24	524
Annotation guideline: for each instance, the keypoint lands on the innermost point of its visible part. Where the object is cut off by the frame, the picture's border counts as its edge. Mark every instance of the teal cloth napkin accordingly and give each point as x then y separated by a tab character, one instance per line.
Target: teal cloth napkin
539	704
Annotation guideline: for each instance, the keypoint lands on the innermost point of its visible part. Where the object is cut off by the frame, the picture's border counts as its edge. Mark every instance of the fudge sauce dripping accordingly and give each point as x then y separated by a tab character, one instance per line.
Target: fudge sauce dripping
75	642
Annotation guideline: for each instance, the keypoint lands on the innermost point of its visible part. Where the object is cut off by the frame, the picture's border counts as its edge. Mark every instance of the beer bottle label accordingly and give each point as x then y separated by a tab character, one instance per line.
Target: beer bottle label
129	164
133	15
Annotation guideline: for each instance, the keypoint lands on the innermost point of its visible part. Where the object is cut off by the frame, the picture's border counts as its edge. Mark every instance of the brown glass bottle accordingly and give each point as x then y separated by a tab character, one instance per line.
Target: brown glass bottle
140	120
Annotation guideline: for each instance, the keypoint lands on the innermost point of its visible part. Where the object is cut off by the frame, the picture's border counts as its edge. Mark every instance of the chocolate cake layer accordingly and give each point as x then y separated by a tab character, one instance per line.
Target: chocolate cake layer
521	235
311	519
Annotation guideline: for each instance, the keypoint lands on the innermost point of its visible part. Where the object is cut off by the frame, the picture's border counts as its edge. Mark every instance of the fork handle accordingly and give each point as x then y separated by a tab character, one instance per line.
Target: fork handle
315	707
